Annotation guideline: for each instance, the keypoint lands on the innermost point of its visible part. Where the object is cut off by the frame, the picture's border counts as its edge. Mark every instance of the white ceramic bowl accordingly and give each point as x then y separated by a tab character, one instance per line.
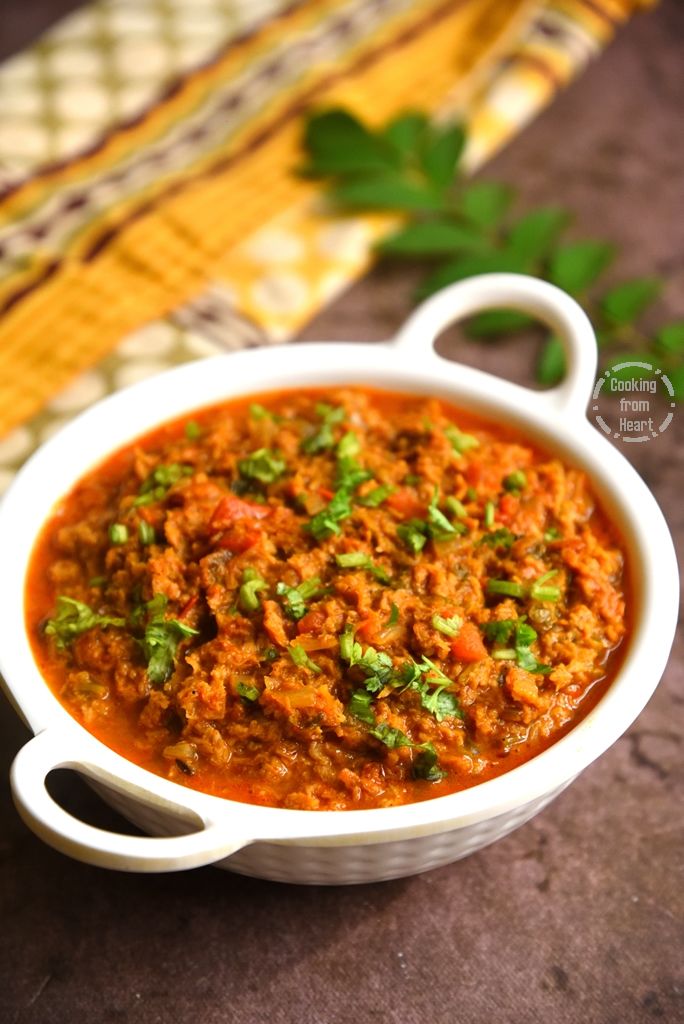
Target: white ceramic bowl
186	828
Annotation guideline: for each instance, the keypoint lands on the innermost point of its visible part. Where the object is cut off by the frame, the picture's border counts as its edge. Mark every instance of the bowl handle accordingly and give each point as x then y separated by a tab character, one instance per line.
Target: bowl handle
528	295
206	843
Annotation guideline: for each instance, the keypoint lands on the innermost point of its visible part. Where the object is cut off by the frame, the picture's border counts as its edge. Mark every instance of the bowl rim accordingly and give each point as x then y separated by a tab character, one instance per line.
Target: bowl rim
554	419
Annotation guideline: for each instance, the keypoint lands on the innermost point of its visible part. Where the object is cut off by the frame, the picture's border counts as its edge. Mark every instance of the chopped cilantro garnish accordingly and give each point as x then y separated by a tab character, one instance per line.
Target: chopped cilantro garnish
501	538
455	507
323	438
249	692
350	474
301	658
522	635
348	446
489	513
540	592
376	497
157	484
413	534
360	560
260	412
426	765
146	532
537	591
118	533
376	665
360	706
262	465
449	627
193	431
420	677
73	618
460	442
515	481
437	527
161	639
394	615
326	522
390	736
252	583
295	598
553	533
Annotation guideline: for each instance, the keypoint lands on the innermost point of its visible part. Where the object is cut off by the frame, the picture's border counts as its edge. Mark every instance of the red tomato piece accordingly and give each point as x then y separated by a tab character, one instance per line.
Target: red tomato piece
468	644
231	508
406	503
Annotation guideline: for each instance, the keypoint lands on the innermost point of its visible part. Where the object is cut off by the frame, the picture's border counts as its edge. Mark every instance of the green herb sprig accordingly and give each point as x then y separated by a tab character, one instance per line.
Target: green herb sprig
459	227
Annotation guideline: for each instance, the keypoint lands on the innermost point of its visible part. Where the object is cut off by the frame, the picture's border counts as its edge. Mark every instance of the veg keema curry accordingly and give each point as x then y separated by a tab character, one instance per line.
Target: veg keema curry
328	599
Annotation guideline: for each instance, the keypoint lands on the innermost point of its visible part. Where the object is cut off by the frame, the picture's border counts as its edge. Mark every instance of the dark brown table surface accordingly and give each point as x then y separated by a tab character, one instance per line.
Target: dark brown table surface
577	916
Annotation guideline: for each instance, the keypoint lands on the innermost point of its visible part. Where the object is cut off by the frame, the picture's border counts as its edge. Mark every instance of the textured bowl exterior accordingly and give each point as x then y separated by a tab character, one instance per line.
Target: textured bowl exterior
312	863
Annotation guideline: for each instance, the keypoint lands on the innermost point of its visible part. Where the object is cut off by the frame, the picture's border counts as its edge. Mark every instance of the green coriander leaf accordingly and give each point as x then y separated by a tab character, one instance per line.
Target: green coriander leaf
262	465
623	304
349	474
670	339
484	203
360	706
161	640
539	591
676	378
337	143
494	322
146	532
515	481
376	497
247	691
156	485
441	704
387	192
500	538
252	584
323	438
118	533
193	431
500	631
348	446
394	615
326	522
577	265
449	627
455	507
438	526
296	597
460	442
506	587
360	560
441	153
413	535
302	659
432	238
73	618
407	131
533	235
390	736
551	364
426	765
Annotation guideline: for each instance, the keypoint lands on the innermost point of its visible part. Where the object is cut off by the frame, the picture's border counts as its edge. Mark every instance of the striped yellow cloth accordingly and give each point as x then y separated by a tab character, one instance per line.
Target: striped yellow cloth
148	209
